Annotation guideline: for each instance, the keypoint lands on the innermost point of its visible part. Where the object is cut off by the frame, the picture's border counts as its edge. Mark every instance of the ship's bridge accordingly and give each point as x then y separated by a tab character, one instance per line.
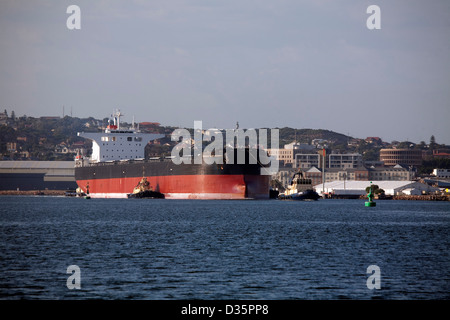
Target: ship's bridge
118	144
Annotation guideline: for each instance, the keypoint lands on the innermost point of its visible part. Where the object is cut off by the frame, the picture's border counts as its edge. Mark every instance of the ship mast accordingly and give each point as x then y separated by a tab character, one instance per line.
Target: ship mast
116	115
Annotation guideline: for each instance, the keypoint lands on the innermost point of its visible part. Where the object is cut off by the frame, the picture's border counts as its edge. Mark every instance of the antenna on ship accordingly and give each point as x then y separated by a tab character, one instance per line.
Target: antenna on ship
116	115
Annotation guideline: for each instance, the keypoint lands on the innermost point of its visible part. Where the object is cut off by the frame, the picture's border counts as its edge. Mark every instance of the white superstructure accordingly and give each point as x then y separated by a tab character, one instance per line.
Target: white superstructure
116	143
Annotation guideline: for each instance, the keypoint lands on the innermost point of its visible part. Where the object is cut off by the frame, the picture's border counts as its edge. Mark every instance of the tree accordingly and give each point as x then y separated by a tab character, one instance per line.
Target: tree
432	142
375	189
422	145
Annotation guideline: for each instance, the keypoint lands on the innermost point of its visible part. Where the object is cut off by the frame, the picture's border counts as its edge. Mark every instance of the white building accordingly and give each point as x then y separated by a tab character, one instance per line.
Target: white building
389	187
441	173
287	154
305	161
345	161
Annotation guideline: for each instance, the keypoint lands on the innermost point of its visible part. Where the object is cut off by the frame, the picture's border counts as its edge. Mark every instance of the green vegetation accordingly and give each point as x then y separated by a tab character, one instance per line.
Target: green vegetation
428	165
375	189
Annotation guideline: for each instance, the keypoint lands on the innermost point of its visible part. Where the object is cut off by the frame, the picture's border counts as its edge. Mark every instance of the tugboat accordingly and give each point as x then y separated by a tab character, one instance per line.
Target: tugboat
118	163
143	190
299	189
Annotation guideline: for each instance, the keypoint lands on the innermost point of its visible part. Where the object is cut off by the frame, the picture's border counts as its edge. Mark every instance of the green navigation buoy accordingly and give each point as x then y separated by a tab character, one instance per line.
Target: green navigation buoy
370	203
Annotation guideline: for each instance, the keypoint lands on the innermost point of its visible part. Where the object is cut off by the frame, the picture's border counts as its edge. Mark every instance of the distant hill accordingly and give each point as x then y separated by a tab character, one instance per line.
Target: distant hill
288	135
40	138
55	138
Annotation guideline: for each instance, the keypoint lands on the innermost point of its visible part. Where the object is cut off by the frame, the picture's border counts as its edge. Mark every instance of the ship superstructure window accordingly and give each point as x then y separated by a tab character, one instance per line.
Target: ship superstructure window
137	139
130	139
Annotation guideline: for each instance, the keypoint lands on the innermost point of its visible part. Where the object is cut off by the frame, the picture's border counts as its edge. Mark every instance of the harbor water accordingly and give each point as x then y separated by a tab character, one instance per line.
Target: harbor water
201	249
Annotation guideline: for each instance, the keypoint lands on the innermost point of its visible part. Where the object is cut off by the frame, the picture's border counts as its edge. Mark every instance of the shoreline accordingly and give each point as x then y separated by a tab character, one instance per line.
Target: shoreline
70	192
33	192
429	197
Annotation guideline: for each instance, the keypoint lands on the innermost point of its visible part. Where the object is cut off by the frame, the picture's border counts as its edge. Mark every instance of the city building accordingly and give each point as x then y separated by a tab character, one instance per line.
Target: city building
374	140
284	176
396	173
308	160
392	157
314	174
332	161
11	146
333	174
441	153
287	154
345	161
4	120
441	173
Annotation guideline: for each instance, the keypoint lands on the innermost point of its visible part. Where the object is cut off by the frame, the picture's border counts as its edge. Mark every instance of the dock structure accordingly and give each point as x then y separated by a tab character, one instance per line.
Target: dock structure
425	197
358	188
37	175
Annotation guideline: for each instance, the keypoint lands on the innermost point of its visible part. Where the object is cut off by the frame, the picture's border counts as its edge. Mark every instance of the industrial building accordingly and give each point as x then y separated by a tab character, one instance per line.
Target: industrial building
390	187
37	175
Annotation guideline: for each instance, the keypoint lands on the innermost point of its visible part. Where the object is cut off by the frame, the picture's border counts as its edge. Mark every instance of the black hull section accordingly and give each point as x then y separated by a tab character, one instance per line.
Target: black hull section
183	181
160	168
306	195
147	194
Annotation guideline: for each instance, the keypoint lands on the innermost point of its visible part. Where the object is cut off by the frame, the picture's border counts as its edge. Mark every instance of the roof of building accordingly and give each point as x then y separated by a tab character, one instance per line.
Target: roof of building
386	185
37	164
362	185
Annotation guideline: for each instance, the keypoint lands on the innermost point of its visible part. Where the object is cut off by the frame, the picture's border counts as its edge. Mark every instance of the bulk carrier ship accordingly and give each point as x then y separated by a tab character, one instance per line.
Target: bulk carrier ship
117	165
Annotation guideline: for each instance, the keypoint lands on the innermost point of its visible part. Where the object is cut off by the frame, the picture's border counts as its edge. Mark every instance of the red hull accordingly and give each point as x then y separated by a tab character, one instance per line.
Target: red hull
192	186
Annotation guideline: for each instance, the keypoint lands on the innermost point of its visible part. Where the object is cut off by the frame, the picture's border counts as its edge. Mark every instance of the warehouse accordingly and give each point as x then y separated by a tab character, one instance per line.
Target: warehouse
390	187
37	175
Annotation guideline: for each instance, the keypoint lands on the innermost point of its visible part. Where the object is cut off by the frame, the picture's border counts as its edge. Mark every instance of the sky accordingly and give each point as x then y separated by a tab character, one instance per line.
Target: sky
265	63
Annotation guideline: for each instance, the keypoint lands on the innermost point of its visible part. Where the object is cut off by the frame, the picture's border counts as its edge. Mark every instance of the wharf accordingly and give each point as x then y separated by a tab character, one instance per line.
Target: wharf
428	197
33	192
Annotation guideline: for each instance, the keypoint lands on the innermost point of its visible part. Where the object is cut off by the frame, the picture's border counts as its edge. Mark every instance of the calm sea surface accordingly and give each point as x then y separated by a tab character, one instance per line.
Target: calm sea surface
199	249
